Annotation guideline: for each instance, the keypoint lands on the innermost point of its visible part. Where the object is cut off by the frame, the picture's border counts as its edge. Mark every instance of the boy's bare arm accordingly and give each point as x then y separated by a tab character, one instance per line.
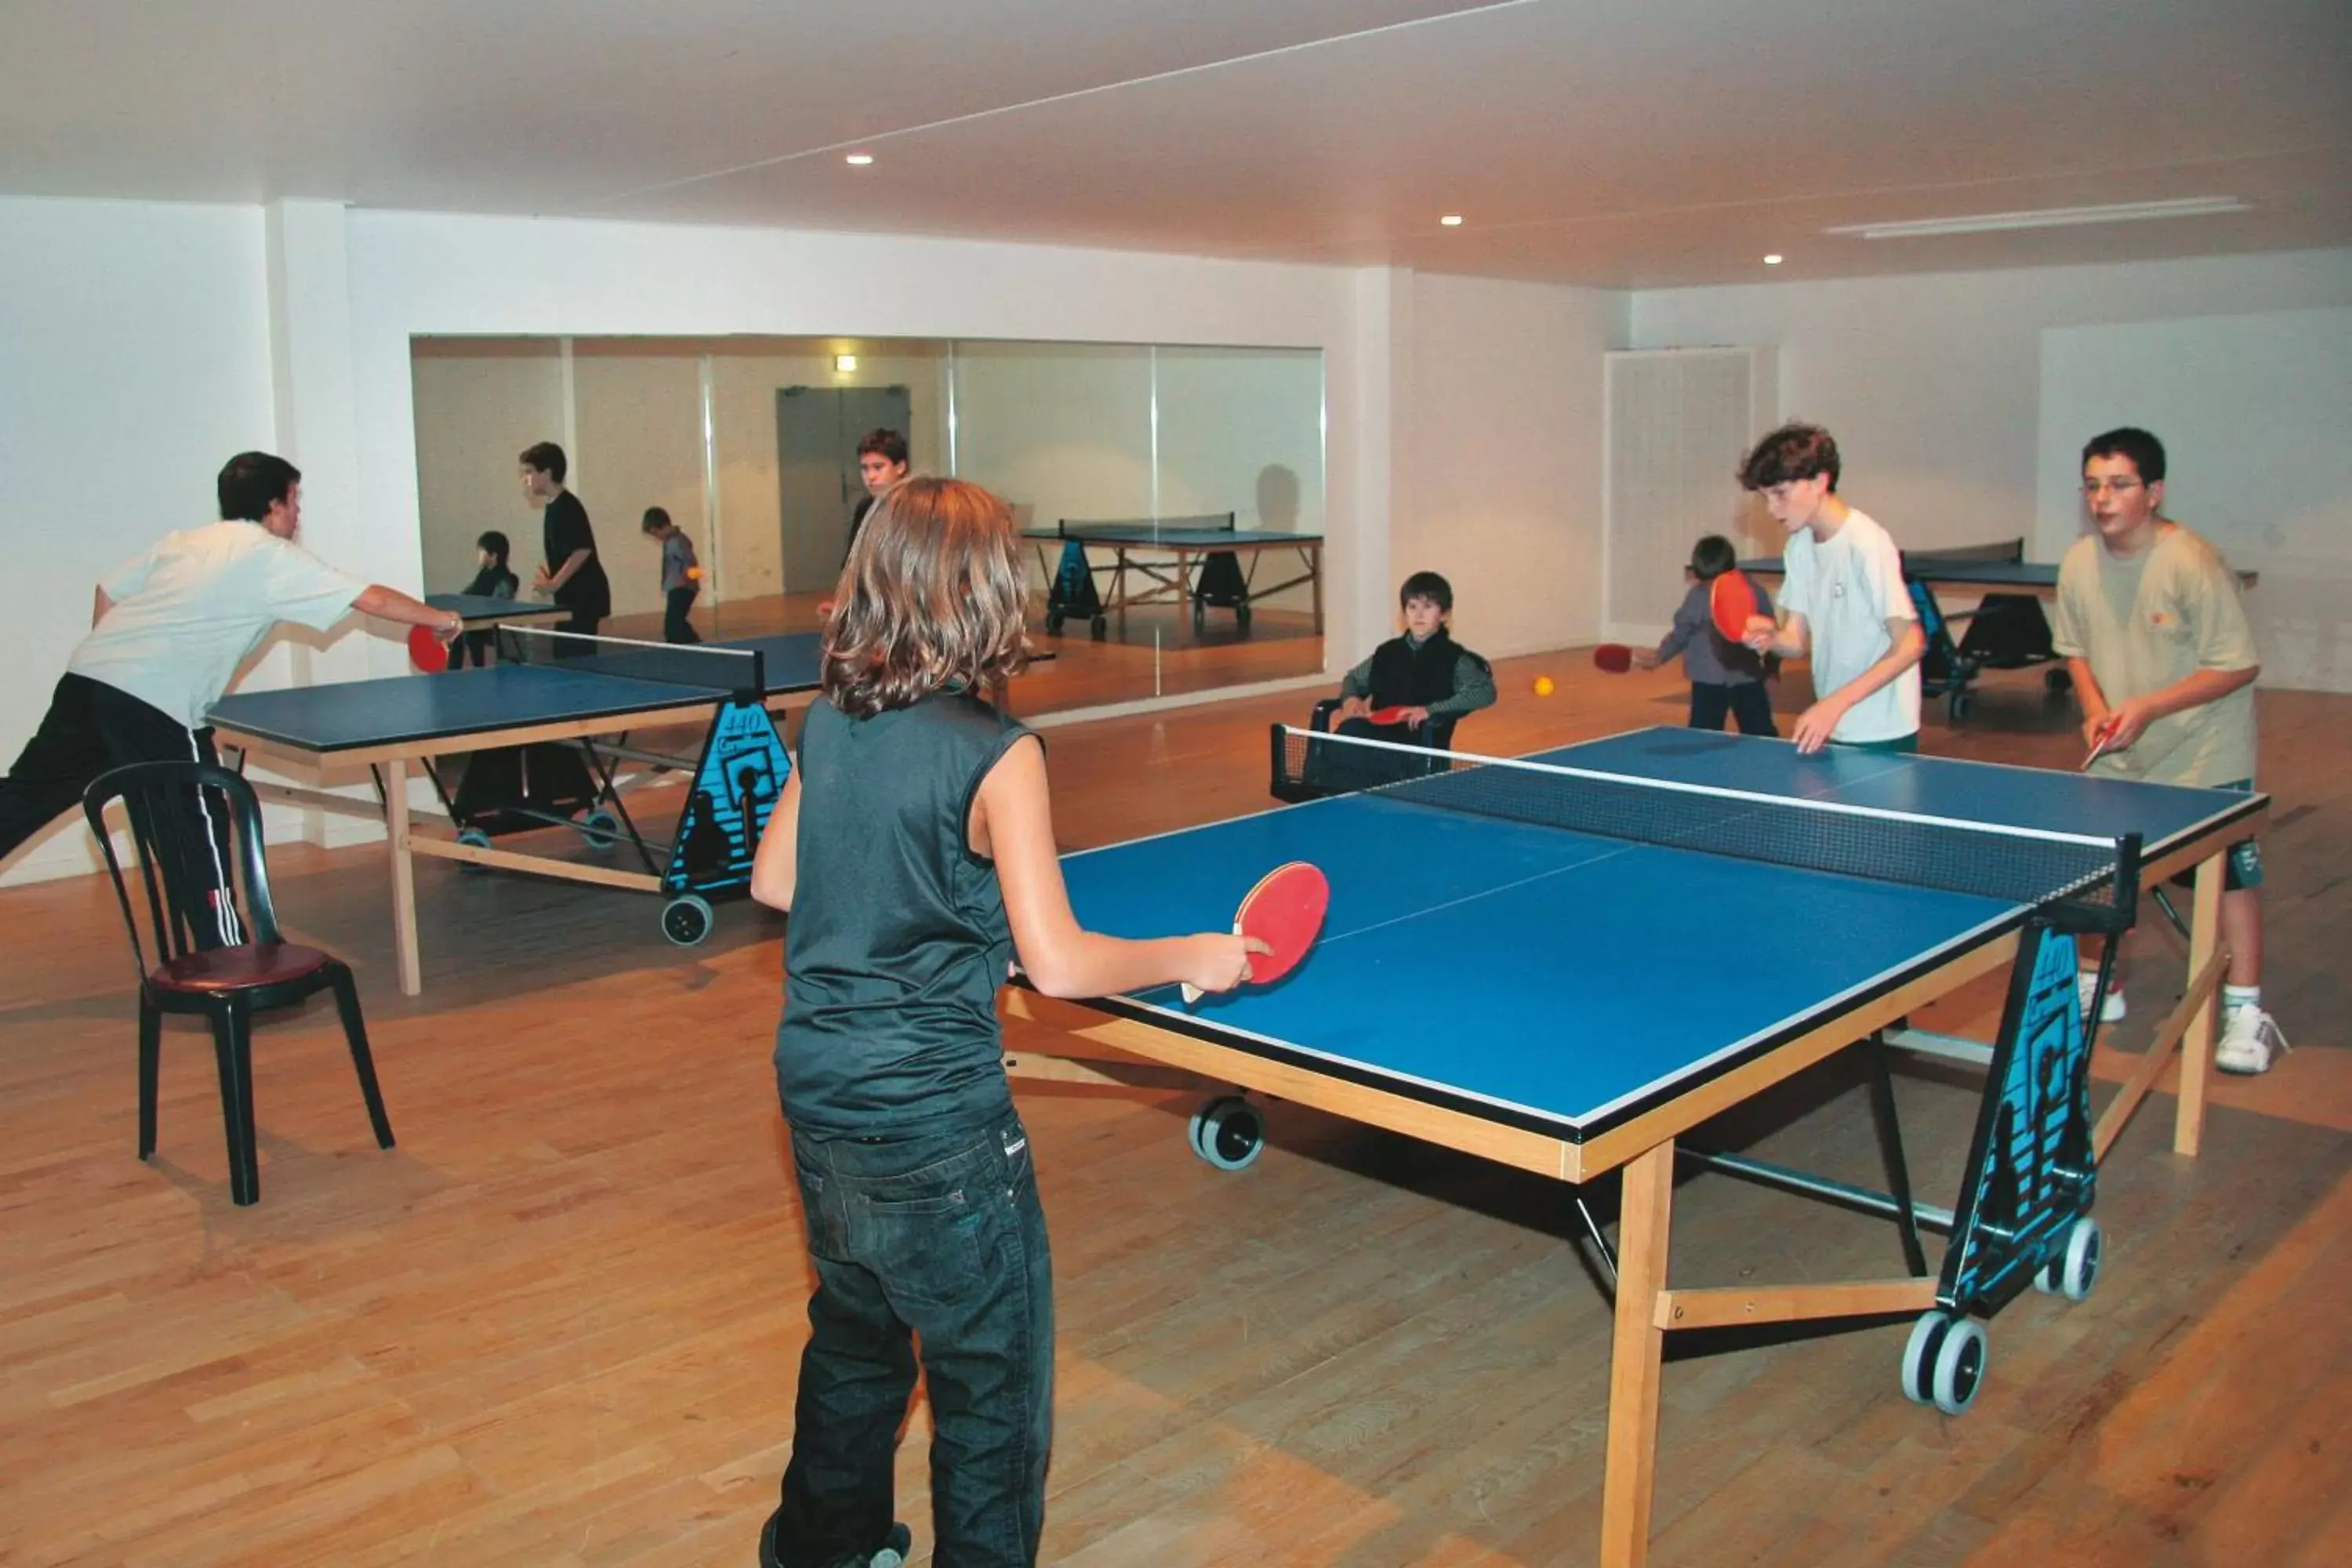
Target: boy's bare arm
775	867
1013	826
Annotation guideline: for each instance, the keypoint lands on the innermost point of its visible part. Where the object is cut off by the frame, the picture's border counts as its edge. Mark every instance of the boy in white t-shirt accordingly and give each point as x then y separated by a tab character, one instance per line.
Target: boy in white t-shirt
1842	600
168	630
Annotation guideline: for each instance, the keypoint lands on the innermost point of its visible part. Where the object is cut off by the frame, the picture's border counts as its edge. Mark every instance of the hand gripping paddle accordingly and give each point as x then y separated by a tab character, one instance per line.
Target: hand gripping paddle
1613	658
427	651
1284	911
1731	601
1386	716
2106	733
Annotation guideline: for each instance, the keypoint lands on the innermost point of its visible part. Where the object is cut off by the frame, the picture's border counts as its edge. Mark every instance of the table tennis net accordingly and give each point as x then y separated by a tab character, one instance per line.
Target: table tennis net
701	667
2084	882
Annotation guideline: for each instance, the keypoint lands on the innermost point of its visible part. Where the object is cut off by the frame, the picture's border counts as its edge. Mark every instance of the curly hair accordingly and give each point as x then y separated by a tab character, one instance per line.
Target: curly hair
1794	452
931	600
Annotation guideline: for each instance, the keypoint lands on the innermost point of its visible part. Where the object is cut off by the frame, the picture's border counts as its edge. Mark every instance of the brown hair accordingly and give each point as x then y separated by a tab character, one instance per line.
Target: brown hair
1794	452
931	598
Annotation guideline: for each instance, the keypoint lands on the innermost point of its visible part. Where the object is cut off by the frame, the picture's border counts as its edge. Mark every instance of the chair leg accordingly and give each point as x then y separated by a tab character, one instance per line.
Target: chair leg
233	1051
151	1051
347	1003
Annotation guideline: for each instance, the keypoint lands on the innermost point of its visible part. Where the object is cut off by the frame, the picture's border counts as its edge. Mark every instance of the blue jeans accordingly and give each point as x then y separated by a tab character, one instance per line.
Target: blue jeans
939	1236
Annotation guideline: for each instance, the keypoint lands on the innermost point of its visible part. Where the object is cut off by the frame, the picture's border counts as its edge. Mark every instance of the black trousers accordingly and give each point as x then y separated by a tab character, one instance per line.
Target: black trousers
676	627
1747	702
89	728
471	646
581	623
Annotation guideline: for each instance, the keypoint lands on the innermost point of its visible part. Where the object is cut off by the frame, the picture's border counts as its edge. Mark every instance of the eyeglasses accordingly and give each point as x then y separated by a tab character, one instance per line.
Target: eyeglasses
2093	488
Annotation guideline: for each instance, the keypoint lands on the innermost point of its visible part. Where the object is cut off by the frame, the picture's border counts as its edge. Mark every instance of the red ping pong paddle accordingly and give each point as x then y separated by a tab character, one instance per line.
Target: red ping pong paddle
1386	715
824	610
1284	911
427	651
1614	658
1732	600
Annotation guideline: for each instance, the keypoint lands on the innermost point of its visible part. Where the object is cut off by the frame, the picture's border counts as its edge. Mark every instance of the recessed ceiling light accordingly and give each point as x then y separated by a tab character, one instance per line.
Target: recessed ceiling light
1773	259
858	160
1452	220
844	362
2045	218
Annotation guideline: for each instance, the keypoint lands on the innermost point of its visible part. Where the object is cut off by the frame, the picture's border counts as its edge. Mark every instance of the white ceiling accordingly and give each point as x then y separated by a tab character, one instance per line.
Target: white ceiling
1616	143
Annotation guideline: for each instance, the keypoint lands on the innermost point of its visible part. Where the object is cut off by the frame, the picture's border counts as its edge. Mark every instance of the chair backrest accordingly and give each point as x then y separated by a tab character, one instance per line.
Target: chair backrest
191	824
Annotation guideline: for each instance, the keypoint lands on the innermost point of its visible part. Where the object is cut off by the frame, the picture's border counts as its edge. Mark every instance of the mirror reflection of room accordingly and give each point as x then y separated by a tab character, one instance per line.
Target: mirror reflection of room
1170	497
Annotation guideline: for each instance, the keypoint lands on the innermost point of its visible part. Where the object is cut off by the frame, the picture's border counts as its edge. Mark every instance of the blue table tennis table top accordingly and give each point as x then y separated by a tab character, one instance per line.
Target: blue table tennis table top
1176	538
1563	983
488	609
348	715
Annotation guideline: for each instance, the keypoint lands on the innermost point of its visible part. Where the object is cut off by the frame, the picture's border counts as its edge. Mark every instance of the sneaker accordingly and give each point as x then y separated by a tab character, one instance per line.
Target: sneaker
2249	1043
891	1553
2111	1011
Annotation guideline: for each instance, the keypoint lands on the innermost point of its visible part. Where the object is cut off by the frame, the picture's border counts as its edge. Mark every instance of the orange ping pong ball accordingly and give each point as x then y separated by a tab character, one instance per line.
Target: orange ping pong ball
1543	686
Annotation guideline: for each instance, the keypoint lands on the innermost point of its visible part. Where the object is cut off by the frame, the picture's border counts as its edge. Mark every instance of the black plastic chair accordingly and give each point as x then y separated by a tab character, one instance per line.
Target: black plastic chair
1314	774
1437	734
193	825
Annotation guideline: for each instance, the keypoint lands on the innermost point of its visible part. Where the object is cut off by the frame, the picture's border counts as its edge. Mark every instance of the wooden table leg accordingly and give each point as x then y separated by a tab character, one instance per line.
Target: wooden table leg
1634	1357
403	878
2197	1045
1315	578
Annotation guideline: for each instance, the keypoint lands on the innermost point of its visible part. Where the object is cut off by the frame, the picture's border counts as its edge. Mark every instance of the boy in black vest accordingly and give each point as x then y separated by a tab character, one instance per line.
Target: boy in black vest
1426	672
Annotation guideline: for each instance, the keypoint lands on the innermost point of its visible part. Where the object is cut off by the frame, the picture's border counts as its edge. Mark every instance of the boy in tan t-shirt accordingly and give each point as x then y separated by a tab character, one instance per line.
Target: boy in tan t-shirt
2149	623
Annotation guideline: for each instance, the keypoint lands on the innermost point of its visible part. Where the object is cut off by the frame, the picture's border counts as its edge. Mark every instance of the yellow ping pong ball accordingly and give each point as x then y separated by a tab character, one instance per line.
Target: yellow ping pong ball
1543	685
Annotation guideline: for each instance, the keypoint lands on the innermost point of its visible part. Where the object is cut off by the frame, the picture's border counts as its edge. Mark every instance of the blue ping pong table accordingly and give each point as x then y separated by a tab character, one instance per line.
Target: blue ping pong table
1161	554
1567	892
480	610
386	725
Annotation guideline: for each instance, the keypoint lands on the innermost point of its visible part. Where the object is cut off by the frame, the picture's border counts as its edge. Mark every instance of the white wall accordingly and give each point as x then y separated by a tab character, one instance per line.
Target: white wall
1503	422
637	411
2255	413
1061	430
423	274
747	554
1932	384
1241	430
478	407
134	361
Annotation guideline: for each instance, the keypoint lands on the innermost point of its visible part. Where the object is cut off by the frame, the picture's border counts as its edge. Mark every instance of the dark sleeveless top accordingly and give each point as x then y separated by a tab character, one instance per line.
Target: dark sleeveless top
1405	676
896	941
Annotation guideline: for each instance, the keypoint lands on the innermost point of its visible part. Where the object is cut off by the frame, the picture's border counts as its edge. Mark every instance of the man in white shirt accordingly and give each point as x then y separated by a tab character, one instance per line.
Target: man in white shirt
168	630
1842	600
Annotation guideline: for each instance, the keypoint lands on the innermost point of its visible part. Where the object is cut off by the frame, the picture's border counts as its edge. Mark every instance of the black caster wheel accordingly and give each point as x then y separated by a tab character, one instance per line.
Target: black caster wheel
1228	1133
1242	617
1099	626
1200	617
1054	622
601	828
2075	1269
1960	705
686	919
473	837
2058	680
1944	1362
